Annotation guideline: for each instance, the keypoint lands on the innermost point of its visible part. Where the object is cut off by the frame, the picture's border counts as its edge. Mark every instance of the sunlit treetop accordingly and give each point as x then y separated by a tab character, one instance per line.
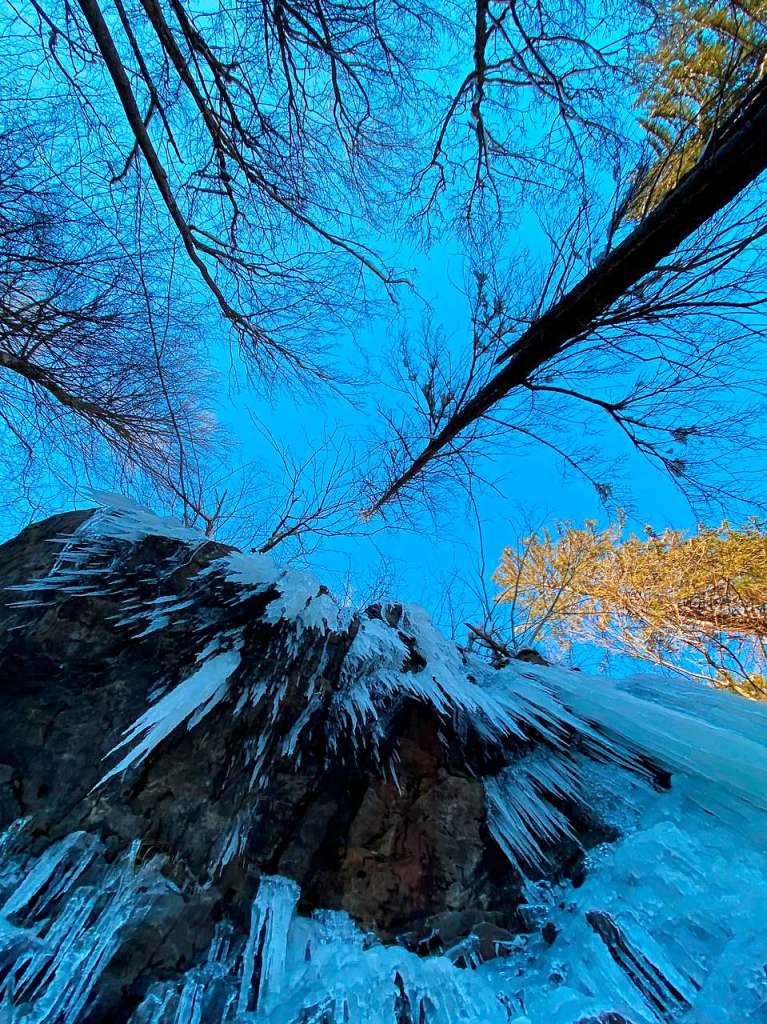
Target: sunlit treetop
706	59
696	603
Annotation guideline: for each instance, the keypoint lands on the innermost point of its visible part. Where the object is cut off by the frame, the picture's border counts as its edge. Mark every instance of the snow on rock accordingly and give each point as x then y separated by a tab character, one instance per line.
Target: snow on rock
299	597
87	565
188	702
682	727
614	831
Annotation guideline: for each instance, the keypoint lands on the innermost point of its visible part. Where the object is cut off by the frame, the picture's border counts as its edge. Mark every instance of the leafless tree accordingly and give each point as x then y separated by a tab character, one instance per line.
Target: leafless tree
671	315
526	109
260	133
287	499
319	496
89	381
253	158
435	376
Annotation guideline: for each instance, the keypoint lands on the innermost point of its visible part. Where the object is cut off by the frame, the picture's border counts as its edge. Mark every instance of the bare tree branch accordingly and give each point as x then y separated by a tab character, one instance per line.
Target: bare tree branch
702	193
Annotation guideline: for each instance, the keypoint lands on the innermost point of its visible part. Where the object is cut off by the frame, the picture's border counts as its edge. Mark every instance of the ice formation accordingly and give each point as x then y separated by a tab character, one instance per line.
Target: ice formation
61	923
666	922
189	702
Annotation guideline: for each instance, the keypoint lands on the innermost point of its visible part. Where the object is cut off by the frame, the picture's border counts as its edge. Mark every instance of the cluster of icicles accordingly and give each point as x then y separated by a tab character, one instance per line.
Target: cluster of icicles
66	913
668	924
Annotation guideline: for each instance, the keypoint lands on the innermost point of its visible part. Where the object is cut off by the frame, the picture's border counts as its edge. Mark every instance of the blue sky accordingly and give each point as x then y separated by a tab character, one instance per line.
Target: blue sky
427	561
437	564
434	563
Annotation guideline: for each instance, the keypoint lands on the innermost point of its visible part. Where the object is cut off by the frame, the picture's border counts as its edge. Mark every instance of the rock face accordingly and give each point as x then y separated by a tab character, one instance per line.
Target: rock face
396	854
403	856
187	724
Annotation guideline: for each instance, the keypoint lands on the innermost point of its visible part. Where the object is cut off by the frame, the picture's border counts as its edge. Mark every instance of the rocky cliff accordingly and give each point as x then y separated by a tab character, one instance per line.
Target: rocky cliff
227	799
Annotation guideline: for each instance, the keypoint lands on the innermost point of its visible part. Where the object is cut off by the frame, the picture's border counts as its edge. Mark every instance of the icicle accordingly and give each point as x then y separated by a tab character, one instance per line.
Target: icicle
667	922
521	819
264	956
233	843
683	728
52	874
56	961
191	700
190	1003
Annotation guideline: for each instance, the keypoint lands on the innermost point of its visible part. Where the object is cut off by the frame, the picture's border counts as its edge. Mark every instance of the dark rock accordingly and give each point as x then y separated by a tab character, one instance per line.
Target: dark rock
607	1017
493	941
549	932
394	857
410	858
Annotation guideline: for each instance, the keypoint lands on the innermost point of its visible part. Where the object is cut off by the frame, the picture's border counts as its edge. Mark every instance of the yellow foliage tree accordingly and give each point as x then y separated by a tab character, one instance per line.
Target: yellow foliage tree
706	59
697	604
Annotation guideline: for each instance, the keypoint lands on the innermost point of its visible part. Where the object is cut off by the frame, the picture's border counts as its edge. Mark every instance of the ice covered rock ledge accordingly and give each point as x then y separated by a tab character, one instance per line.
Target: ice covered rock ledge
225	800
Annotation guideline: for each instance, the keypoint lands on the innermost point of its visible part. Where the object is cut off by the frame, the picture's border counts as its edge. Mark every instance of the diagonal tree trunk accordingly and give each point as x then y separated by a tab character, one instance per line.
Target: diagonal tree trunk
737	160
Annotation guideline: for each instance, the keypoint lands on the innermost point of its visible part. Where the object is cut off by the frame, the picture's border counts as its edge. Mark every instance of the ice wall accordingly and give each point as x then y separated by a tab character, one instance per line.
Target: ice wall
668	925
665	923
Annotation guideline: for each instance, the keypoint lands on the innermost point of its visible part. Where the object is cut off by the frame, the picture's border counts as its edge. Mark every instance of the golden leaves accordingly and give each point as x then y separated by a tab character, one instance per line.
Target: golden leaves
696	602
704	62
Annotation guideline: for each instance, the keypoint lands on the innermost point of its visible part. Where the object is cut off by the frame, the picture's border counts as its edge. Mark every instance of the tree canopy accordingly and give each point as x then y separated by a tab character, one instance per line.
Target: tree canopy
707	59
695	603
193	195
